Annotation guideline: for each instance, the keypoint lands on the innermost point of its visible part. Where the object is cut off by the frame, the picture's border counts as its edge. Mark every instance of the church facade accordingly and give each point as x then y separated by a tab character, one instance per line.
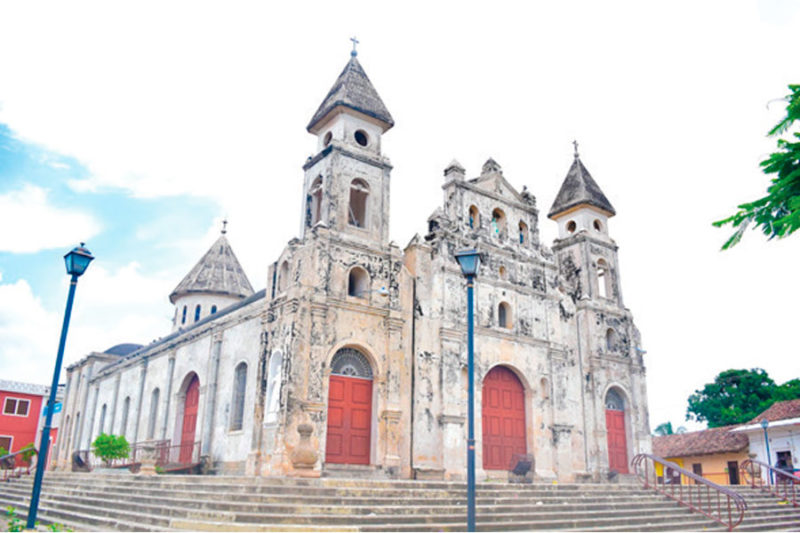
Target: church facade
353	358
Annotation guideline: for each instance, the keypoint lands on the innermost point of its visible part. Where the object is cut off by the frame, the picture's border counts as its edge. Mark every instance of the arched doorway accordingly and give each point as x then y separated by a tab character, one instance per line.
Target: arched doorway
503	417
349	408
190	404
615	427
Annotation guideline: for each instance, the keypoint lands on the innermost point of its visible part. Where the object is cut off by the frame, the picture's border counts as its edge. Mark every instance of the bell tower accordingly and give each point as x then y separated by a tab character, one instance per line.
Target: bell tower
347	182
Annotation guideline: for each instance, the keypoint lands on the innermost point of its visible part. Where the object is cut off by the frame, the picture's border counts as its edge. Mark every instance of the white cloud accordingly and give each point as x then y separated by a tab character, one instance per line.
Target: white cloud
31	222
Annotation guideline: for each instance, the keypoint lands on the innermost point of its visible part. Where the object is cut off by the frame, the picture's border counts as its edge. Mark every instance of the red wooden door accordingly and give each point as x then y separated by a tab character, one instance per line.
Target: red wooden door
189	420
503	416
349	420
617	444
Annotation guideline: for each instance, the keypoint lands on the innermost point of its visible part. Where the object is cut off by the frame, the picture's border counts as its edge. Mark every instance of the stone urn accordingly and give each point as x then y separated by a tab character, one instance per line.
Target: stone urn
304	457
147	454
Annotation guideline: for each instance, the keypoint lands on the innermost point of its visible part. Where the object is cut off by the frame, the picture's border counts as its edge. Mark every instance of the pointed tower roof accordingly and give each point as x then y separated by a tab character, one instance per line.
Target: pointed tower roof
579	188
353	90
217	272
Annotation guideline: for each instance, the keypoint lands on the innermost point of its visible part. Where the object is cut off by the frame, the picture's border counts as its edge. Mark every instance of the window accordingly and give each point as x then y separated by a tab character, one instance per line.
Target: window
102	425
351	362
239	385
614	401
5	443
523	232
197	313
571	226
602	279
499	223
183	318
327	139
16	407
314	213
151	423
126	407
359	191
361	137
611	340
283	280
213	309
504	315
474	217
358	282
597	225
503	273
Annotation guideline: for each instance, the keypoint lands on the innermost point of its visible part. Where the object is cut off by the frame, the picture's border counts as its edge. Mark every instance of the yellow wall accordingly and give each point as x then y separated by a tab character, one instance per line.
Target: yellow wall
715	466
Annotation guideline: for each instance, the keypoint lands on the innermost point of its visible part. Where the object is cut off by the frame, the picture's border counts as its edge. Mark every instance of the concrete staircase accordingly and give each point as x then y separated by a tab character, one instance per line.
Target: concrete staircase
122	502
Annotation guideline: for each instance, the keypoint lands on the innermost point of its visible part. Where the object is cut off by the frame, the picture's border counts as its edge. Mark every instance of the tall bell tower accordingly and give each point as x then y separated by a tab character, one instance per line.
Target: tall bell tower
347	182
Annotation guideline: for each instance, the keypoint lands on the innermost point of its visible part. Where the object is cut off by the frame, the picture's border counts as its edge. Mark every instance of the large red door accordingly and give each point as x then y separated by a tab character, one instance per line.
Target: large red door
189	420
503	416
349	420
617	444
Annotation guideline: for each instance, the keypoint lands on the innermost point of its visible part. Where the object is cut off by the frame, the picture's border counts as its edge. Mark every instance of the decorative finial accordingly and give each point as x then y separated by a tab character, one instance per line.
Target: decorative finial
224	226
354	53
575	143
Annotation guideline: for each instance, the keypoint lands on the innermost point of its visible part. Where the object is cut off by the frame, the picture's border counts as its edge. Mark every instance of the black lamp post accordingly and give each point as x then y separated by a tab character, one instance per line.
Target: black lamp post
469	261
764	426
76	262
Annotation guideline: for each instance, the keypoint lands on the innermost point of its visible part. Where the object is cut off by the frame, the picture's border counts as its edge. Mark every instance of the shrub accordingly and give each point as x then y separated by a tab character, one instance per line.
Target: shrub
110	447
28	451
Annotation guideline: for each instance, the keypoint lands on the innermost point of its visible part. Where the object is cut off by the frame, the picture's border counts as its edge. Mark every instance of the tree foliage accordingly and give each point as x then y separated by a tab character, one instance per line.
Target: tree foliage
110	447
666	429
777	213
738	396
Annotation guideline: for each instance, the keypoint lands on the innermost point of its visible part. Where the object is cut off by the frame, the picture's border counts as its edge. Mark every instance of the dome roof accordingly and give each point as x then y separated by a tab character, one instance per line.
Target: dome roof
123	349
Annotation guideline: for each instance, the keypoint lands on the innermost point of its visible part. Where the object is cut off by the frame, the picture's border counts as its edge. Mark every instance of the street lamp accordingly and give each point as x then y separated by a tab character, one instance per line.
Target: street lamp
764	426
469	261
76	262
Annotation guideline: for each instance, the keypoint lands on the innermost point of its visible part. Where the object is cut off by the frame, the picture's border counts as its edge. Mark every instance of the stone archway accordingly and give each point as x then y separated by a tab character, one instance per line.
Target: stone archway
503	418
349	409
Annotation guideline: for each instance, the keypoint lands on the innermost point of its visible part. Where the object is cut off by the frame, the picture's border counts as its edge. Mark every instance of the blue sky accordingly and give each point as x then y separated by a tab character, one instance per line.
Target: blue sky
139	127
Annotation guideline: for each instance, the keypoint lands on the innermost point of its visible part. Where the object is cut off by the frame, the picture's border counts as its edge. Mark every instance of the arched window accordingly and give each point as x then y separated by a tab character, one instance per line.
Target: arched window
314	201
183	317
126	407
504	315
474	217
357	210
213	309
239	386
614	401
351	362
151	423
523	232
611	340
603	279
274	387
499	223
571	226
102	426
283	279
597	225
358	282
197	313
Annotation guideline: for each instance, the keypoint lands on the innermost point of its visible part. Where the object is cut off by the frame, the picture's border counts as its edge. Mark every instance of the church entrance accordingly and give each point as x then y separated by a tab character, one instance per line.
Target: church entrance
189	419
349	409
615	427
503	417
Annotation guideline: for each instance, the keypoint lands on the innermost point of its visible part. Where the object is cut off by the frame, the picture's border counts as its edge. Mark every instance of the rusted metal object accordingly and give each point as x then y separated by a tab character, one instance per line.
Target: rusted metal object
716	502
781	484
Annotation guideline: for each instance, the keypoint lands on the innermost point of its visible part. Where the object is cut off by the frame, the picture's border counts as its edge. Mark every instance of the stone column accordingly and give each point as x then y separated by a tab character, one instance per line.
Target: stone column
170	372
211	397
142	377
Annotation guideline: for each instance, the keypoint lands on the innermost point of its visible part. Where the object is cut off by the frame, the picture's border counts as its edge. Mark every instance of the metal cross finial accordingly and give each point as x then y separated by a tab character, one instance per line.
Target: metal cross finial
575	143
224	226
354	53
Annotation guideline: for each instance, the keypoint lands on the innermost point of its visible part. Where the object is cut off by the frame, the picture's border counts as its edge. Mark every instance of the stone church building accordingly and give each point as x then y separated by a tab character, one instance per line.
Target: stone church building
353	358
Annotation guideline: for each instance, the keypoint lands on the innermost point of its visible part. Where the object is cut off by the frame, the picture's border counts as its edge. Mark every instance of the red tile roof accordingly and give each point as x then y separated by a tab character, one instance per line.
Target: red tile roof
779	411
713	440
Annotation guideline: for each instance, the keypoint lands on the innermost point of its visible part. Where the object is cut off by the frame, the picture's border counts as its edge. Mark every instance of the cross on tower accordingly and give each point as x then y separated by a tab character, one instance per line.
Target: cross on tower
225	226
575	143
354	53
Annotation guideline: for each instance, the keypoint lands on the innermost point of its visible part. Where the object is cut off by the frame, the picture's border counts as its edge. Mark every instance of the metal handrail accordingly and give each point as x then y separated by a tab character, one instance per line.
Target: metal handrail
703	496
12	466
777	482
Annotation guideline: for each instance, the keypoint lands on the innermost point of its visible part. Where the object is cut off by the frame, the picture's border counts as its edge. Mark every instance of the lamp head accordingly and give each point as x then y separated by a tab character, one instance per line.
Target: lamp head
764	423
469	261
77	260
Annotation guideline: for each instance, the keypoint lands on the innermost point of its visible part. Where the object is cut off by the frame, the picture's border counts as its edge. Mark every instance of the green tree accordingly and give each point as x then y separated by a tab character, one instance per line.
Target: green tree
110	447
734	397
666	429
777	213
